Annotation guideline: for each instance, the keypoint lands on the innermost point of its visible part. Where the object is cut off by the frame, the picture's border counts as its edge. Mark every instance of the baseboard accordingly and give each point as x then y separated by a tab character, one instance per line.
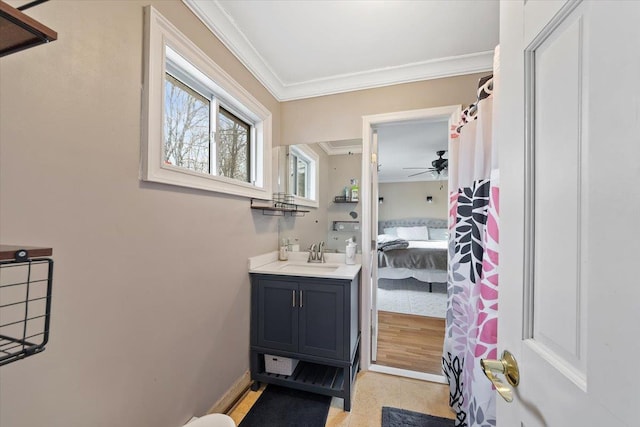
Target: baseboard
408	374
231	397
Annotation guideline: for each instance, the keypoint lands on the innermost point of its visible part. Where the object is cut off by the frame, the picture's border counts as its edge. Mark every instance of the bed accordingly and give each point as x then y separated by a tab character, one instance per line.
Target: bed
413	247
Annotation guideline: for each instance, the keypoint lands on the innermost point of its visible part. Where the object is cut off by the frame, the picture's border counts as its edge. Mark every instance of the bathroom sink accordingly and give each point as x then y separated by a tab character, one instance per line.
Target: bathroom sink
309	268
297	265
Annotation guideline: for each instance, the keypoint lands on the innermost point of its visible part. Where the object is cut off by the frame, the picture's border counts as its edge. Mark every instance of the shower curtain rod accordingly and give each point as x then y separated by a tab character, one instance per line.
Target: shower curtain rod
485	89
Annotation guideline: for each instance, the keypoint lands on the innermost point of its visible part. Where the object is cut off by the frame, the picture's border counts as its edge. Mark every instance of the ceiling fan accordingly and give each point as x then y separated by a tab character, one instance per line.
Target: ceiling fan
438	165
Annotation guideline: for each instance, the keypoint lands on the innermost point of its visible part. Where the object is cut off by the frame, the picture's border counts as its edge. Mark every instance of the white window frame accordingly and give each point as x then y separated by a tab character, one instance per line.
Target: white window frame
313	175
159	34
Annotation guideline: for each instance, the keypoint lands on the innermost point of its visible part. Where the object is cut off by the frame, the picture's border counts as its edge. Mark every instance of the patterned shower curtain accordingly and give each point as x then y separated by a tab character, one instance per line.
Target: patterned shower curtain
472	307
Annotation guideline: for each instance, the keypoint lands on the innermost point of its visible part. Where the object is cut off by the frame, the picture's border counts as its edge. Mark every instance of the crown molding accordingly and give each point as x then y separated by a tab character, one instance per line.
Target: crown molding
222	25
332	150
426	70
224	28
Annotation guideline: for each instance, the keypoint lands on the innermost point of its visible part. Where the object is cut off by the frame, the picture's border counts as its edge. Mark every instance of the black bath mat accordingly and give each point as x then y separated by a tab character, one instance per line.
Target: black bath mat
286	407
394	417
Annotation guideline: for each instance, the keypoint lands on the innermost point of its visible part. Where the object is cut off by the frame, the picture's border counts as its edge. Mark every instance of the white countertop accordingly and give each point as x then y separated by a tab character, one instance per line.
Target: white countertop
297	265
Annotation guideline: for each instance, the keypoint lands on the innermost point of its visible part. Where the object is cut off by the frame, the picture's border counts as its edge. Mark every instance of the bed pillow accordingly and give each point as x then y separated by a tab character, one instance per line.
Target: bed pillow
413	233
392	231
439	233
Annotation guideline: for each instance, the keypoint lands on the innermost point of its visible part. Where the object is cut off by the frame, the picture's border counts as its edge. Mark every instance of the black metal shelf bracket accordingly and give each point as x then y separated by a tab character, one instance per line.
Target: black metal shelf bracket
277	208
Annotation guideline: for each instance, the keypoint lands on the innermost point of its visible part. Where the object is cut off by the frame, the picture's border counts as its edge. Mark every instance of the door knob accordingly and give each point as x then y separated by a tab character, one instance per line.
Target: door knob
506	365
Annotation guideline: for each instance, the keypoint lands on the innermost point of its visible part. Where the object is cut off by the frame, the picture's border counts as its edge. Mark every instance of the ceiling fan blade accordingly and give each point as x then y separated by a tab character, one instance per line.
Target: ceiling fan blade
417	168
419	173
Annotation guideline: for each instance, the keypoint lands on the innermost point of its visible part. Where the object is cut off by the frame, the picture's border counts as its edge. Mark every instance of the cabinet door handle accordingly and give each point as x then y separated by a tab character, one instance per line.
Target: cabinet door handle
300	298
293	298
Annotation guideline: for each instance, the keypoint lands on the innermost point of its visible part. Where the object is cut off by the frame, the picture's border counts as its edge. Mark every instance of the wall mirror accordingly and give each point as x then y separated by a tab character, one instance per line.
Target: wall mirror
302	172
320	176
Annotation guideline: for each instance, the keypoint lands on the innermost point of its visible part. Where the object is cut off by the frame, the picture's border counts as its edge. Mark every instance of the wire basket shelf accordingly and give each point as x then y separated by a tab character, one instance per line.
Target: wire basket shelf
25	307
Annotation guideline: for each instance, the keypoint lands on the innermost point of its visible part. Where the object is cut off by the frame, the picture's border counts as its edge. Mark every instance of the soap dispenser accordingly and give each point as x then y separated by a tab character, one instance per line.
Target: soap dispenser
350	257
283	254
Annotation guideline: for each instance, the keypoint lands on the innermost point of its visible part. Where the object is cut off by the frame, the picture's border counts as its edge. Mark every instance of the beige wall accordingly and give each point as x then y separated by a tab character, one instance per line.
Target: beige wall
409	200
150	320
338	117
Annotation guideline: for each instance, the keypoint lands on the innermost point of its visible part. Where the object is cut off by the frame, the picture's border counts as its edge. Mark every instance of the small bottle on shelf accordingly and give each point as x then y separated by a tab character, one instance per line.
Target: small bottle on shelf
354	190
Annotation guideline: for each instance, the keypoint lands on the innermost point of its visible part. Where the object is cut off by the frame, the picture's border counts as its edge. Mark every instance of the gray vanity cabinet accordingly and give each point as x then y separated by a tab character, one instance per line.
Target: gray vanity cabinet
313	320
300	316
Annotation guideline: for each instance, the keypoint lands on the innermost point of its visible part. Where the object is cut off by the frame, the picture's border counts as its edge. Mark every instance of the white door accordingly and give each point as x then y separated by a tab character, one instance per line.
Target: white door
373	260
568	130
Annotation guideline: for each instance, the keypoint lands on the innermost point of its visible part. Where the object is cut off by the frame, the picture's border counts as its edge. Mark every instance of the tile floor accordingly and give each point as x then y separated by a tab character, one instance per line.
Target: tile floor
373	391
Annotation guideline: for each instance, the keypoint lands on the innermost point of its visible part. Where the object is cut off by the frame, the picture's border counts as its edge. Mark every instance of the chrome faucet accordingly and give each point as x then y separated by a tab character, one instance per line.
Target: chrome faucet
312	253
316	255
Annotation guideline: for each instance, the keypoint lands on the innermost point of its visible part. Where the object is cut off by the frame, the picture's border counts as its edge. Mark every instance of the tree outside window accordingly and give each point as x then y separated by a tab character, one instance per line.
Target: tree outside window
188	134
233	146
186	127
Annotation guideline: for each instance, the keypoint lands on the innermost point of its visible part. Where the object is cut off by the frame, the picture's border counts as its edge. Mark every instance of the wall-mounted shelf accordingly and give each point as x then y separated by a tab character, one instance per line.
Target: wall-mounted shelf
26	275
346	226
273	208
19	31
8	252
343	199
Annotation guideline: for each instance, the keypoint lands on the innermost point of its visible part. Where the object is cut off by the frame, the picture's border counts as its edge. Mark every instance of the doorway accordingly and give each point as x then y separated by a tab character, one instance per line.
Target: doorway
406	333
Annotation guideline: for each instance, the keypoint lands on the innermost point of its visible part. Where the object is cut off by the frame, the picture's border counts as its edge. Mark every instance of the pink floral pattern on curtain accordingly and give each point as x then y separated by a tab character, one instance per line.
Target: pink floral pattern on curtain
472	307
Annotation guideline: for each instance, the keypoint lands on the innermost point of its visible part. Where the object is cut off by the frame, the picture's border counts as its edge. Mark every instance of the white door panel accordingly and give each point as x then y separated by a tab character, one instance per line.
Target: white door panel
555	193
568	131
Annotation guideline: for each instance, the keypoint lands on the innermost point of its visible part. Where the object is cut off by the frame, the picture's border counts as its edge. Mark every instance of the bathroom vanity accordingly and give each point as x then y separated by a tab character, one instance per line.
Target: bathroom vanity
308	312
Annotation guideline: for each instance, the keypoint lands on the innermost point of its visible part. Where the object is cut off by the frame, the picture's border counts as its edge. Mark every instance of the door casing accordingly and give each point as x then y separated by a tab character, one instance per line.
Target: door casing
369	160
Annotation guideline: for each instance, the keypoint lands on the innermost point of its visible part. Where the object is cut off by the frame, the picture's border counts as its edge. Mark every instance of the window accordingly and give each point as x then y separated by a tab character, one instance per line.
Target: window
303	175
201	129
233	152
190	140
299	175
186	127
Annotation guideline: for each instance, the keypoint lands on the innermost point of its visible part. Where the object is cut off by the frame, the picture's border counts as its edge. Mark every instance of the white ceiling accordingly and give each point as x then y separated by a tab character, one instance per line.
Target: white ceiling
301	49
412	144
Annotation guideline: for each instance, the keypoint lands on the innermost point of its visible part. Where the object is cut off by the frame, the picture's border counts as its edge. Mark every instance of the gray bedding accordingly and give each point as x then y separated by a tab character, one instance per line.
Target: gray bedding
414	258
393	244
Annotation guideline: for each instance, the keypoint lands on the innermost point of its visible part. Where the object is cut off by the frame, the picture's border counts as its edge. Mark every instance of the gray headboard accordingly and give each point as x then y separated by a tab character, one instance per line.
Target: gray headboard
412	222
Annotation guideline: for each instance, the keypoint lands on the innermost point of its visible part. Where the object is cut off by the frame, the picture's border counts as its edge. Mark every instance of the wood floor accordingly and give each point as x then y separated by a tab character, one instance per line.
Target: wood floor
410	342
